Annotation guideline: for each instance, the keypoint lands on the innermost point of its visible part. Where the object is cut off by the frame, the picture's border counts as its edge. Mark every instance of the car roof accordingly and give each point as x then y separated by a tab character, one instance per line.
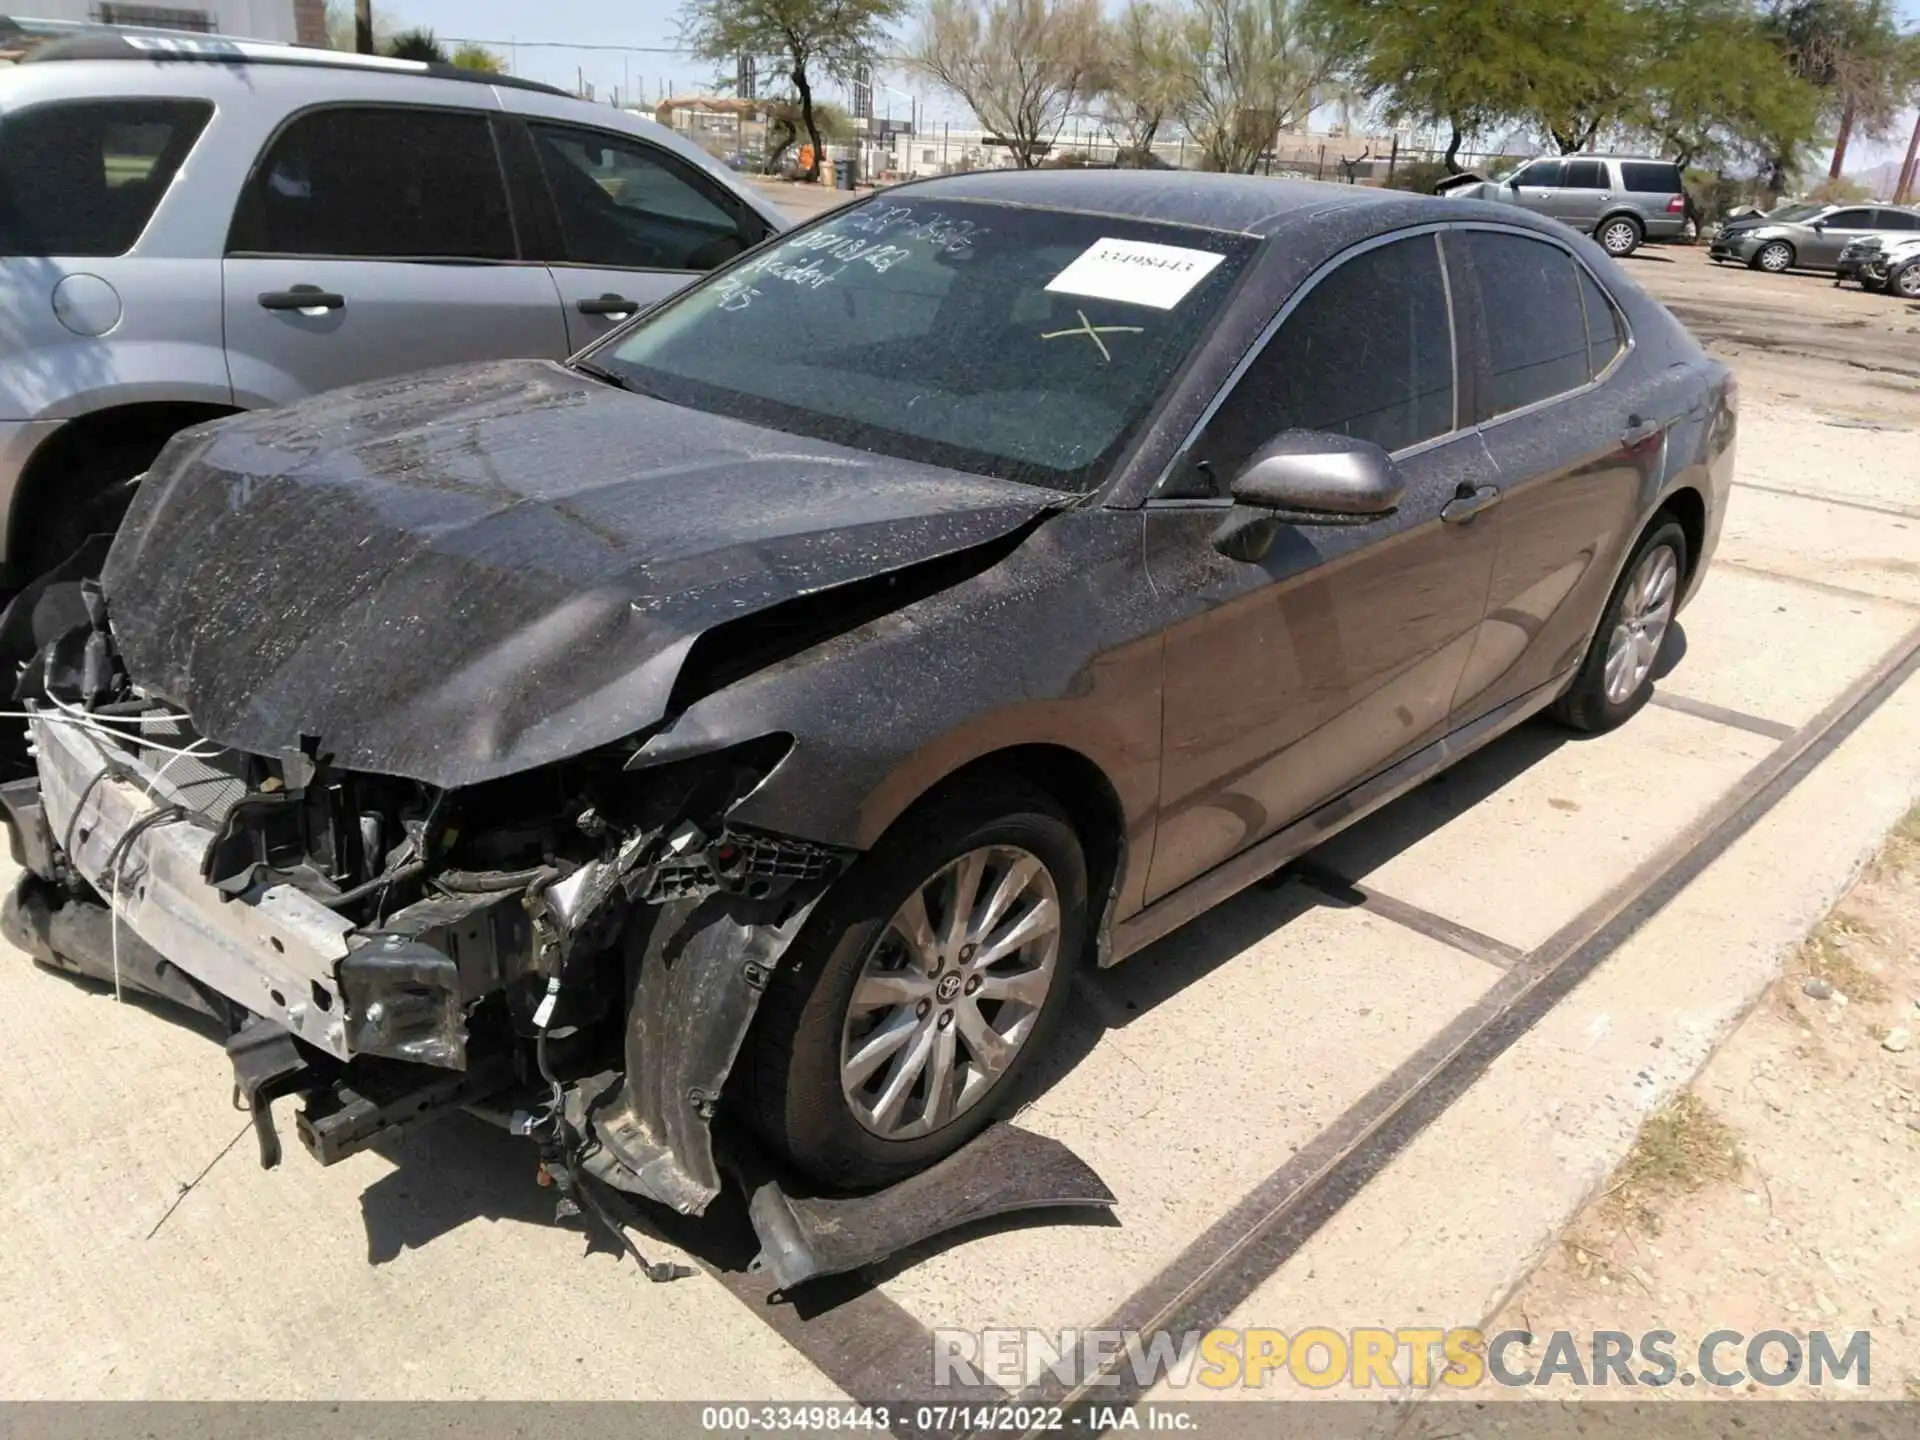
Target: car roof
1250	204
219	49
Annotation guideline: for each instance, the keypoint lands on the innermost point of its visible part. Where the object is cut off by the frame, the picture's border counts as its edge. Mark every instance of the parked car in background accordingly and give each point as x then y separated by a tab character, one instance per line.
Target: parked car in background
783	699
1900	260
1620	200
194	226
1806	235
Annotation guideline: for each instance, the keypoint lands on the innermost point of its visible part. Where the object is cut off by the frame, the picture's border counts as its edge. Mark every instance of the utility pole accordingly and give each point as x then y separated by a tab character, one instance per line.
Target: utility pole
363	27
1907	175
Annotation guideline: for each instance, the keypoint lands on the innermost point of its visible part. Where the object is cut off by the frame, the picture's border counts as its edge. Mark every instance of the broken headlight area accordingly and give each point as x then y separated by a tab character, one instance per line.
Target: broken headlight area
587	934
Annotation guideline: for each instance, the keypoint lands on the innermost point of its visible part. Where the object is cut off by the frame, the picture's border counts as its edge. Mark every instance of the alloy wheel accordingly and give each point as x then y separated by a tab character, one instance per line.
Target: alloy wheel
950	992
1775	257
1646	610
1907	283
1619	238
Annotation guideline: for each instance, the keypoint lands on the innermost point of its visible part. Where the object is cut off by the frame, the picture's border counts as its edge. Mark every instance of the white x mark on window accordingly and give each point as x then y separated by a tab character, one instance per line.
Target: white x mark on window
1093	332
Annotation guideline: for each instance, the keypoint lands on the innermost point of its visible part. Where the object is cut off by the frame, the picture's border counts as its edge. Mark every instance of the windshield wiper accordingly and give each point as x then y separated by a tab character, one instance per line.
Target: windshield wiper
611	377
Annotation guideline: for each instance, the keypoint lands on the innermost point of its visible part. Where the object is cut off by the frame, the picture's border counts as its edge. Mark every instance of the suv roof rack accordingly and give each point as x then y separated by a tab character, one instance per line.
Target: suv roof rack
218	49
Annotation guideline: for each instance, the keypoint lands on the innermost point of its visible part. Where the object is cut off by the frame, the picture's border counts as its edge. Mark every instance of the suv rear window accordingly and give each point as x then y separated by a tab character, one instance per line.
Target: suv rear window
1649	178
83	177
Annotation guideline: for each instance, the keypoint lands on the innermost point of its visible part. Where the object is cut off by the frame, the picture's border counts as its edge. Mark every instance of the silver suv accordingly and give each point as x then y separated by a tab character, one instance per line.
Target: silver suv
1806	235
194	227
1620	200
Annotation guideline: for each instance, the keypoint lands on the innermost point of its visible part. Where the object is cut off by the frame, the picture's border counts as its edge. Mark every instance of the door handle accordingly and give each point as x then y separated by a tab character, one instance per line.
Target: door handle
616	306
307	299
1469	502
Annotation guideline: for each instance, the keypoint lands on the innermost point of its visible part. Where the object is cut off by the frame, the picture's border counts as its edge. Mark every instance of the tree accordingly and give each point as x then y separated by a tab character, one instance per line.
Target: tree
1142	84
1022	66
1248	68
1854	54
1717	90
477	57
417	44
815	39
1463	66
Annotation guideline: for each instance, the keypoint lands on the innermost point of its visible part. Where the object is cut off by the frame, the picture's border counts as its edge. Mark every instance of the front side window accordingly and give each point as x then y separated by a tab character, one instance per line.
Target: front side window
1586	175
1012	341
624	204
84	177
1850	220
1547	173
379	183
1368	352
1535	322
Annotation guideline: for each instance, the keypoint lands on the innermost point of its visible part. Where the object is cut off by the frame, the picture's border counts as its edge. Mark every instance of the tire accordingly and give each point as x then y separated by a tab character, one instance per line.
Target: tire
1619	235
799	1081
1773	257
1594	702
1905	282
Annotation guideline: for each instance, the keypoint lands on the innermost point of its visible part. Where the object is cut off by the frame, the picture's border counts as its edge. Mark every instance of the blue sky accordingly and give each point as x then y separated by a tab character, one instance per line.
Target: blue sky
638	35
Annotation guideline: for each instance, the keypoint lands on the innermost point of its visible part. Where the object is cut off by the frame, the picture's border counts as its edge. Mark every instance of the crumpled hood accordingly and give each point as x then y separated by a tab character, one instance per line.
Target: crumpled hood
469	573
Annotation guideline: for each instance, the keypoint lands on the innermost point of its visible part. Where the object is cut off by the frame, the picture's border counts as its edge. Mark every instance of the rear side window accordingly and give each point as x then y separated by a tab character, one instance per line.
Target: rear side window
1586	175
1367	353
1606	332
623	203
1536	325
1647	178
84	177
1896	220
379	182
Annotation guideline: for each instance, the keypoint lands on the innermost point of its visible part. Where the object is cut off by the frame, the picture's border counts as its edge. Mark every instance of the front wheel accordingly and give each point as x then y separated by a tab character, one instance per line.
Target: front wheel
1616	678
1773	257
906	1015
1620	236
1905	282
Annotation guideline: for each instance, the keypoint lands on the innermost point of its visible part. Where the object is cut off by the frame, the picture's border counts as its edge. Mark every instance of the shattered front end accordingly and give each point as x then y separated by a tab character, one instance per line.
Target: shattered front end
589	939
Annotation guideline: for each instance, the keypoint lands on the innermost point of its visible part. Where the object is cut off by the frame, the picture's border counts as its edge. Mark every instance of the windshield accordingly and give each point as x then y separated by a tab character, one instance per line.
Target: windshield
1023	343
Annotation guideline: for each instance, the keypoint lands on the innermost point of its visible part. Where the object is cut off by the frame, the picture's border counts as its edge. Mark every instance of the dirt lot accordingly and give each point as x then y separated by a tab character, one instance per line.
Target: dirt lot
1779	1191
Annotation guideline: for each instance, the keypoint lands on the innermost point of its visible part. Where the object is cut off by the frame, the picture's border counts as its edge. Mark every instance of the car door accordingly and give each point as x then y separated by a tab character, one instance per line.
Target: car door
631	223
1295	676
1583	194
376	239
1571	455
1536	187
1831	234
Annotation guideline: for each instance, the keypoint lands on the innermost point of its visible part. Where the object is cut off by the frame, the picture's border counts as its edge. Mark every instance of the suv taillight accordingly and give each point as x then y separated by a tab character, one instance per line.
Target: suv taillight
1677	205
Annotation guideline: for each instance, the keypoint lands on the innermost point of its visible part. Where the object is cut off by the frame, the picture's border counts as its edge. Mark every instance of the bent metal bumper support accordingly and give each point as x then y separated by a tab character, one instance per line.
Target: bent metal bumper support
275	953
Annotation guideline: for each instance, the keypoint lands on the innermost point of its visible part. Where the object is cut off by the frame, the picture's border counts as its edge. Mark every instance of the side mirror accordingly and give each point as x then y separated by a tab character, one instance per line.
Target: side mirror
1514	181
1818	225
1306	477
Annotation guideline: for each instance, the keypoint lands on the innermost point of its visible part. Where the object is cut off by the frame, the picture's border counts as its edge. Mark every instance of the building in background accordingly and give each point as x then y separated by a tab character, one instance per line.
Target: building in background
290	22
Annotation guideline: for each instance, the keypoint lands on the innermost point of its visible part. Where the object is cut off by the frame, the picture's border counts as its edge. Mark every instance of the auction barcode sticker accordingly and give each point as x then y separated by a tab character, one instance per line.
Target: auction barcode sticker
1135	272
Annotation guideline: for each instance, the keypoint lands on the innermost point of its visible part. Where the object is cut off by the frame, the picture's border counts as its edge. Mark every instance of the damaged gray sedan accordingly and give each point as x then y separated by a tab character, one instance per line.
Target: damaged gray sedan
730	744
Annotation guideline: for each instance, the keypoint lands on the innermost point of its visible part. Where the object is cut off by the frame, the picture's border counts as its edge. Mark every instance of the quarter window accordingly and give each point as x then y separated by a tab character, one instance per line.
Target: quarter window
1536	325
624	204
1645	178
379	183
1586	175
1606	334
84	177
1367	353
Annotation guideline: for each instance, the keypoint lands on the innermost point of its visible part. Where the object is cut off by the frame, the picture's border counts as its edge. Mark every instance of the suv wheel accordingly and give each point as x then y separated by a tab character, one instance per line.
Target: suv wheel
1773	257
907	1013
1620	236
1905	282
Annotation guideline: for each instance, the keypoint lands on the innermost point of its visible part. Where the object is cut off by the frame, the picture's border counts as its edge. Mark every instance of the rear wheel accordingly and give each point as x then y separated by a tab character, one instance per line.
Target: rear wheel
908	1013
1619	236
1773	257
1616	678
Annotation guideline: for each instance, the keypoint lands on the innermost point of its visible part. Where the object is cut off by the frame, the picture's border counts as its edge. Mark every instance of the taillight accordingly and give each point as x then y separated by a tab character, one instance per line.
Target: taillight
1676	205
